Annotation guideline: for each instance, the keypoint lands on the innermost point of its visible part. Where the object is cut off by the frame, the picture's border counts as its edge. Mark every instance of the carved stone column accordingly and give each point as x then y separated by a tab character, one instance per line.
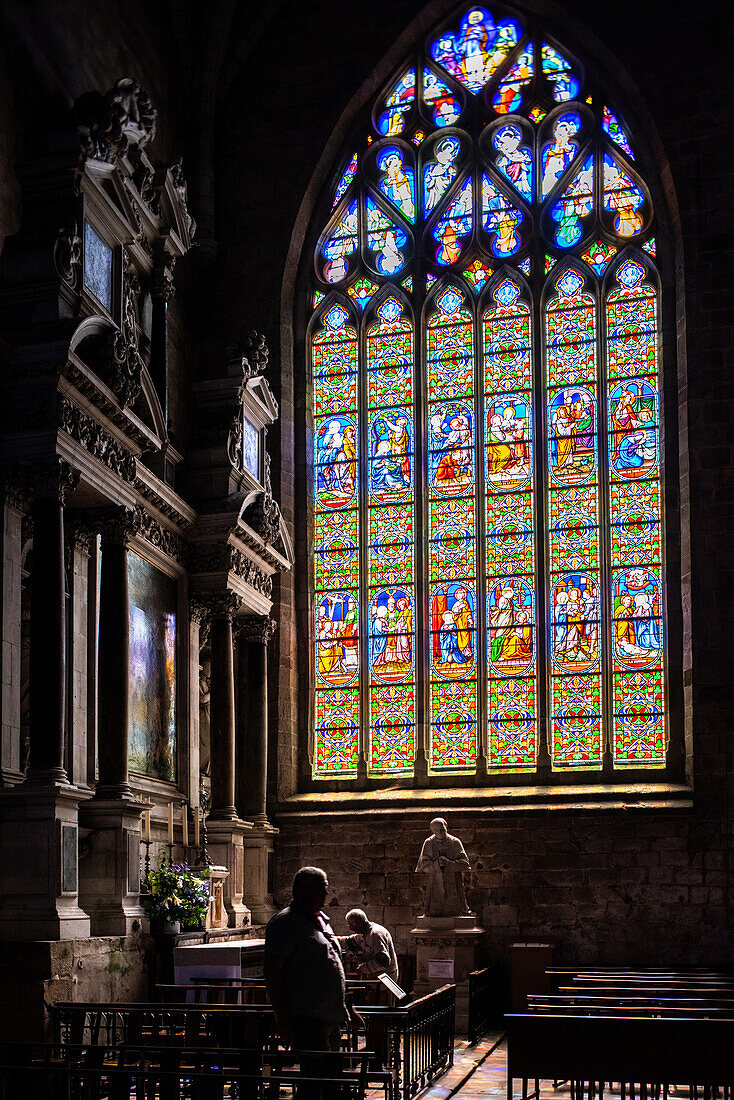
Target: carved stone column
223	609
252	746
11	548
47	681
162	291
225	829
114	655
39	818
110	873
252	763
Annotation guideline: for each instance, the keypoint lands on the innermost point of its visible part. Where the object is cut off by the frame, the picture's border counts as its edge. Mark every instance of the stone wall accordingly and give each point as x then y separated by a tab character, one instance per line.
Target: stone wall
619	887
104	968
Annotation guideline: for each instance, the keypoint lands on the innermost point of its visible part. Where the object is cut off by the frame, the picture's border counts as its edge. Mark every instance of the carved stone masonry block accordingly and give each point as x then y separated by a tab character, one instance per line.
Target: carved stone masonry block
118	525
54	480
248	353
256	628
159	536
93	437
222	605
107	125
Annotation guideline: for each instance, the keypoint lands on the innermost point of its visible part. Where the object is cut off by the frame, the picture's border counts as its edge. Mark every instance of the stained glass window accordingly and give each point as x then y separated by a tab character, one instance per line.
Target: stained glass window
487	561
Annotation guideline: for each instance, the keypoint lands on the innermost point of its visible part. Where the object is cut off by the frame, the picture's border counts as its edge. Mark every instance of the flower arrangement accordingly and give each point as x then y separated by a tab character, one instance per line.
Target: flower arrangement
178	894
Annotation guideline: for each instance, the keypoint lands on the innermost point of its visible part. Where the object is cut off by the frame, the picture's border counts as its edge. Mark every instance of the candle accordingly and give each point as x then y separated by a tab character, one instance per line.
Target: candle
185	825
170	823
197	812
146	825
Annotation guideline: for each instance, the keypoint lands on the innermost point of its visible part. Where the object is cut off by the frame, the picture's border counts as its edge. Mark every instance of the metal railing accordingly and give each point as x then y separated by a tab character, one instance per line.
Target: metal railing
414	1042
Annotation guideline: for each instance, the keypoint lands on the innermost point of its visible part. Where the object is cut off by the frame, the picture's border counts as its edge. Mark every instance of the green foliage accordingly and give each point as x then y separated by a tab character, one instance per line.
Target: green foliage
178	893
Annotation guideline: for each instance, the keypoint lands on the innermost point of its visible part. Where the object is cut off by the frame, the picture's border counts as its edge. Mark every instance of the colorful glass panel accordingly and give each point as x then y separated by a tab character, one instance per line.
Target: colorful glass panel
574	206
452	614
508	97
342	242
347	176
478	274
420	200
617	132
623	199
390	580
336	545
500	218
514	159
575	630
385	240
557	155
474	53
440	100
639	731
391	119
362	290
397	182
440	172
454	226
511	593
559	73
599	255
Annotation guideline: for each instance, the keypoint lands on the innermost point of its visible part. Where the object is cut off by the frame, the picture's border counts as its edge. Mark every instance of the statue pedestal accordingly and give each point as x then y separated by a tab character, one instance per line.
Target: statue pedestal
447	950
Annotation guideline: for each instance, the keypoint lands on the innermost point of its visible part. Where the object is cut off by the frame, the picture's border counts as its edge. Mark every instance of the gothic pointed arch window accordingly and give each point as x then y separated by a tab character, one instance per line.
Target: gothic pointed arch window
487	562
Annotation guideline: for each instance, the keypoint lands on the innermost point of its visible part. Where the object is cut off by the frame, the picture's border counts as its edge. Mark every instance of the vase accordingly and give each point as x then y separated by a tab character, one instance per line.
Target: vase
171	927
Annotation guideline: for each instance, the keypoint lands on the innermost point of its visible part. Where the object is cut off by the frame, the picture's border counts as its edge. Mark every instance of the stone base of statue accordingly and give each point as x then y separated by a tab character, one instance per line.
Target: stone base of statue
447	950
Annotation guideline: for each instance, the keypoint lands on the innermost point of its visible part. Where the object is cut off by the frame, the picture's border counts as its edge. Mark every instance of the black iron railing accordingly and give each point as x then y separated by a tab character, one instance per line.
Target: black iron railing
413	1043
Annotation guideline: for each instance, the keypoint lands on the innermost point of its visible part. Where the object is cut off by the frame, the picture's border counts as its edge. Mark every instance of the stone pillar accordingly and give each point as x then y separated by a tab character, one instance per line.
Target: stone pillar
114	657
252	763
110	872
225	829
39	819
83	542
252	745
11	549
161	292
222	710
47	680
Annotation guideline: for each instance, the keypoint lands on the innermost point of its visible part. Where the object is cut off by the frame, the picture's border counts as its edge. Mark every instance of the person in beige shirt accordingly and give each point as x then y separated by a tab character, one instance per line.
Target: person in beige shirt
371	944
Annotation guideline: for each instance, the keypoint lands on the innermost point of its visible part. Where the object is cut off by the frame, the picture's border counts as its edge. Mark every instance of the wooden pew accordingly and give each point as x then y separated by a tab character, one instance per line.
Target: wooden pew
591	1050
55	1072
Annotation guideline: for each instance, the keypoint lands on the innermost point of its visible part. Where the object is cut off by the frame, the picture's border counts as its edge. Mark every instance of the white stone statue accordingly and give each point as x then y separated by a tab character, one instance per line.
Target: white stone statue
443	859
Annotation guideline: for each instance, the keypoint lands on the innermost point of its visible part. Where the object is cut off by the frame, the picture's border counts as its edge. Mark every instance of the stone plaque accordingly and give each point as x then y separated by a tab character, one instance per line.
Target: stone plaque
133	863
441	968
69	859
271	872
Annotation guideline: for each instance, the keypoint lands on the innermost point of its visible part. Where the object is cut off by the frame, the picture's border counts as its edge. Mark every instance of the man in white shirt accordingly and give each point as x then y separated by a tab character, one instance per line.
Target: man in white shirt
371	944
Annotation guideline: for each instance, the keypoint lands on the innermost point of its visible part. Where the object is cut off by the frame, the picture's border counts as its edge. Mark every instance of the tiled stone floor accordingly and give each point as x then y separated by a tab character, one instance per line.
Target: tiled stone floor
488	1079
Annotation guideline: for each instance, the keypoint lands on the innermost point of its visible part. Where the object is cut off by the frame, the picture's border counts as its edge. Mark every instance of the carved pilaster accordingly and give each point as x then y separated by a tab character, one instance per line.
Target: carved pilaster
54	480
162	283
68	255
119	525
222	605
256	628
